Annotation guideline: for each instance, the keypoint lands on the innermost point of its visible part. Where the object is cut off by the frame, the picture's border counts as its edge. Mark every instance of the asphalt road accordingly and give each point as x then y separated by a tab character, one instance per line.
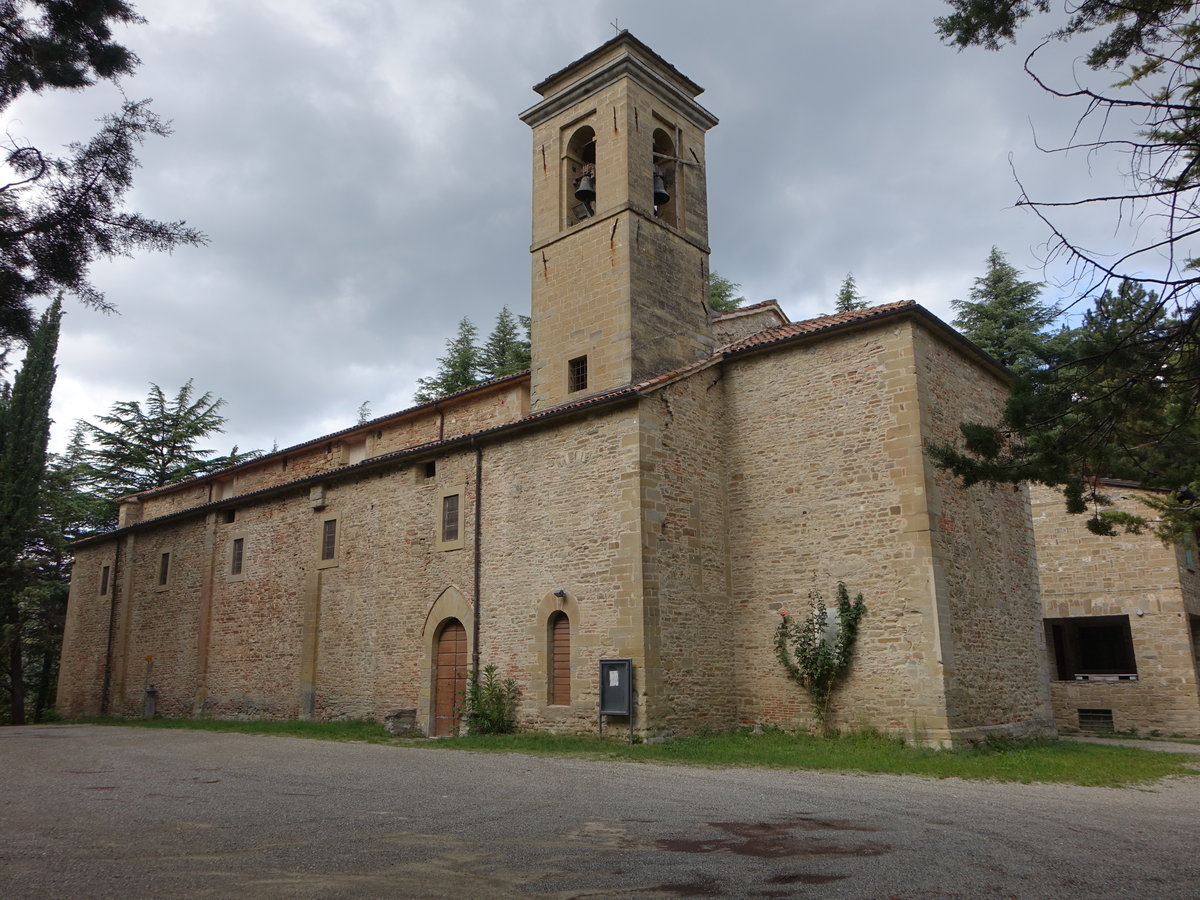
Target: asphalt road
99	812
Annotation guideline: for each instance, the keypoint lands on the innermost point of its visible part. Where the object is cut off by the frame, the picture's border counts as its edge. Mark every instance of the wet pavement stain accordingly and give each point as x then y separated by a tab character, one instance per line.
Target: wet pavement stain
776	840
694	889
805	878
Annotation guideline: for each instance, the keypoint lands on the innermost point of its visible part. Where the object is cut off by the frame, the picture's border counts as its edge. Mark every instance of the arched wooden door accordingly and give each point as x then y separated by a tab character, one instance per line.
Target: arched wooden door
449	677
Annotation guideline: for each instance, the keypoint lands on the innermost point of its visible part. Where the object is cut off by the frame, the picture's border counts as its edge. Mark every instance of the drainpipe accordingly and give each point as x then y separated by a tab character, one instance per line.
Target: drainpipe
477	561
112	625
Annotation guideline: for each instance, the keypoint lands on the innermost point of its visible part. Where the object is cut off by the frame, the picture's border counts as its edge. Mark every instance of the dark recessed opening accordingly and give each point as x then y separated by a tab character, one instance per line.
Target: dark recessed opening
1089	648
577	374
1099	721
430	469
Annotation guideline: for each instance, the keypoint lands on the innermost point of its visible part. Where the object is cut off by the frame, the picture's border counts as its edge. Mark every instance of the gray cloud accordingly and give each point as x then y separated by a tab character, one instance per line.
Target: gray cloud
364	181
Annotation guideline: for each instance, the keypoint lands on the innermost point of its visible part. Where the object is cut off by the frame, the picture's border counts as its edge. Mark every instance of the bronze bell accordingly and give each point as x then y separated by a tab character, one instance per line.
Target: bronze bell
660	190
586	191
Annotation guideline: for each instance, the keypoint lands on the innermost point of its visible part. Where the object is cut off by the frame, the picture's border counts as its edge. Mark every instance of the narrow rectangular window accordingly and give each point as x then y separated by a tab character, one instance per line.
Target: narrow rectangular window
329	539
164	569
235	561
104	581
431	469
577	374
450	518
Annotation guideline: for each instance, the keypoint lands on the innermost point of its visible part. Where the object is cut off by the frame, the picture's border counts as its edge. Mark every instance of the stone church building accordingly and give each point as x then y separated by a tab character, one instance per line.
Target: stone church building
657	488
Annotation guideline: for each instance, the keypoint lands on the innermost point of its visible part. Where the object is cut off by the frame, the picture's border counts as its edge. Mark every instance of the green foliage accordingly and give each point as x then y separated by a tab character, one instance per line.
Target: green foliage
491	703
848	297
814	658
138	447
1106	404
457	370
47	43
1005	318
722	293
1059	762
466	364
1122	401
58	214
506	352
24	434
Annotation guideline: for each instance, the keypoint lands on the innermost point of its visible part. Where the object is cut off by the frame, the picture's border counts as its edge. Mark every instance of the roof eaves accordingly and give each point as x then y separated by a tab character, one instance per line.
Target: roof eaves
395	456
336	435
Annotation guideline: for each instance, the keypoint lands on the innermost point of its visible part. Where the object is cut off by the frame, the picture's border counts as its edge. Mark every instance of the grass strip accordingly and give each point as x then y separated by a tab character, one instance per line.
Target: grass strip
1050	761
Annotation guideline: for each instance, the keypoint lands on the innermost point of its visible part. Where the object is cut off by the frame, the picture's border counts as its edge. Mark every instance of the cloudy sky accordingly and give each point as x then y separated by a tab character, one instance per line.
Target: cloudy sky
363	179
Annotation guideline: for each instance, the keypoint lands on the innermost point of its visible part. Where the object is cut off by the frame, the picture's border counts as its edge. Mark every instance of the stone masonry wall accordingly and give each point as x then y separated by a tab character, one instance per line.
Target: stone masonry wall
826	484
689	619
985	562
352	635
1083	574
85	633
560	512
484	408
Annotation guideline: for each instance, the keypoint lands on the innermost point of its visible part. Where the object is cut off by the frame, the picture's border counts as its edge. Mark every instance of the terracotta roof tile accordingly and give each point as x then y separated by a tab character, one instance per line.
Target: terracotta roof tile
817	325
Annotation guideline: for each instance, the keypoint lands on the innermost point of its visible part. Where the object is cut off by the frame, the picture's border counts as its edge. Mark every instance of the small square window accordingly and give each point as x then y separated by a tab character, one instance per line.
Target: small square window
329	539
228	516
431	469
577	374
235	556
450	518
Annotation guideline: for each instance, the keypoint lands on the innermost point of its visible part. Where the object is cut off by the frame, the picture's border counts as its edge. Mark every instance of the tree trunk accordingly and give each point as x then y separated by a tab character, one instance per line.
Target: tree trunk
16	673
45	680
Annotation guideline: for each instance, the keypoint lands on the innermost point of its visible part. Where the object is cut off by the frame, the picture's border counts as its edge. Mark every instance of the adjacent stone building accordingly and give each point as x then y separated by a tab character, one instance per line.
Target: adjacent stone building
658	486
1122	622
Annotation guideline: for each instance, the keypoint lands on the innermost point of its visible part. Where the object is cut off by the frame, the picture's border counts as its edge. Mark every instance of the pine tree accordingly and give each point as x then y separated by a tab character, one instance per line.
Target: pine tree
721	293
457	370
1005	317
505	352
136	448
24	434
848	297
58	213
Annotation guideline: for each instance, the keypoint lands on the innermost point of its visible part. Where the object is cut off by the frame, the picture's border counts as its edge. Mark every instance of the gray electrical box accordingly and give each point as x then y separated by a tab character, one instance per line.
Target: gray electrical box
616	691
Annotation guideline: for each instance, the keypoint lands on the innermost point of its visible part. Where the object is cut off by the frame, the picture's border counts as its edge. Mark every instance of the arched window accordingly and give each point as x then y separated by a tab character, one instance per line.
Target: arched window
666	180
579	175
558	659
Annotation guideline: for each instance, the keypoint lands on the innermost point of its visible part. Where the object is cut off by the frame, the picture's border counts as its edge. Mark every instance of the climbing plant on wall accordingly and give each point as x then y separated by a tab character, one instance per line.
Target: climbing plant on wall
814	653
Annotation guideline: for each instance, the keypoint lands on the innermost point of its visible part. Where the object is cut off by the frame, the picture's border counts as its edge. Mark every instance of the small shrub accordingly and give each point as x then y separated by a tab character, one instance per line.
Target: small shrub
491	703
815	659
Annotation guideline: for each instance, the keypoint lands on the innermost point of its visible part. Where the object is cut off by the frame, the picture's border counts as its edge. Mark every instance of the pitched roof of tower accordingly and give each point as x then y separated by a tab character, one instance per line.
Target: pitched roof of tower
622	36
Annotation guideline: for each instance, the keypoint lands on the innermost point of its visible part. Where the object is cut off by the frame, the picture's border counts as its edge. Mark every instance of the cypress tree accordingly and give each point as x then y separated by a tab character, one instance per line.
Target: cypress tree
24	434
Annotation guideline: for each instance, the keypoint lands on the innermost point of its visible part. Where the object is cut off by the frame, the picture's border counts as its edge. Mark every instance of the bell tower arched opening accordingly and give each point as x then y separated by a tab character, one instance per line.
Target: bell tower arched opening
579	176
666	179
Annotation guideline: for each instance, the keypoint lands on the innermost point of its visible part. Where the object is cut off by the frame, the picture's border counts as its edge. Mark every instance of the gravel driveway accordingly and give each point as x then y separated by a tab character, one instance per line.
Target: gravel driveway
92	811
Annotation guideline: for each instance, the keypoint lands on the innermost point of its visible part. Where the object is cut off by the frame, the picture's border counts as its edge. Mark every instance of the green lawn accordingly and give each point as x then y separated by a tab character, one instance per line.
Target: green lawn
1065	762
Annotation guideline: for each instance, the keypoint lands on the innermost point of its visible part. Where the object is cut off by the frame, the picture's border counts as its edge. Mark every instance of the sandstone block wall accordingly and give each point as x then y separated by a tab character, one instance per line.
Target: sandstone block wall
826	485
294	635
690	621
485	407
984	561
1083	575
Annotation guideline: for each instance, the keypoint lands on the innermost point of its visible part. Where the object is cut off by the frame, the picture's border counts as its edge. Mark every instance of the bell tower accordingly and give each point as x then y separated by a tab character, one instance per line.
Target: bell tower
620	223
